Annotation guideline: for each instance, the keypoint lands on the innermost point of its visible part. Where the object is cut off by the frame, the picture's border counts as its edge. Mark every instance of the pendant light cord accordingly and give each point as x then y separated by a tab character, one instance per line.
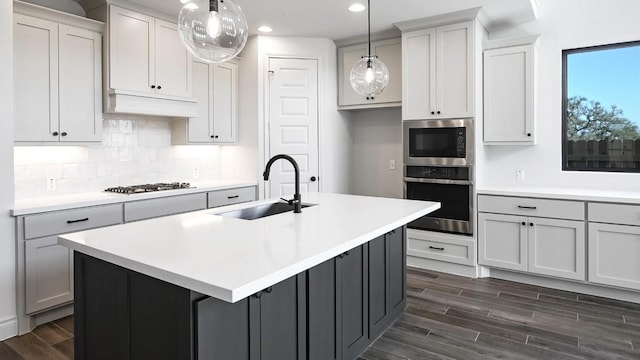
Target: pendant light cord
369	23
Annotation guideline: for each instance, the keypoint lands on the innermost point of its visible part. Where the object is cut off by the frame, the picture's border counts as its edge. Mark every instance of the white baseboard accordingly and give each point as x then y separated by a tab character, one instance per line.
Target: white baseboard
8	328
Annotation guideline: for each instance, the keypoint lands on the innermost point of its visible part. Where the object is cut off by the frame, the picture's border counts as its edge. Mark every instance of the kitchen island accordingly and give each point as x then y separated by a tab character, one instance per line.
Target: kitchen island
322	284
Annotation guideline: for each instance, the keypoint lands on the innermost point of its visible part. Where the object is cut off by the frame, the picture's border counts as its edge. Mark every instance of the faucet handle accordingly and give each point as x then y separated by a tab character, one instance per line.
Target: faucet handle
290	202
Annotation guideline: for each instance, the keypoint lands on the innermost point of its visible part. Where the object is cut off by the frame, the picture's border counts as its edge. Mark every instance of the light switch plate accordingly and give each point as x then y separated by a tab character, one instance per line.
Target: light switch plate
519	175
392	164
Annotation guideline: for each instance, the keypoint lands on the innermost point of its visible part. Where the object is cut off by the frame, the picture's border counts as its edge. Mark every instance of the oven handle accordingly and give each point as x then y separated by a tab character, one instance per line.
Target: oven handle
438	181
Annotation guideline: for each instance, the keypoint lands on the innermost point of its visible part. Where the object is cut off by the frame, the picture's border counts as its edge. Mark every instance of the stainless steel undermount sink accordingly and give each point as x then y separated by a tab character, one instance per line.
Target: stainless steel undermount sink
260	211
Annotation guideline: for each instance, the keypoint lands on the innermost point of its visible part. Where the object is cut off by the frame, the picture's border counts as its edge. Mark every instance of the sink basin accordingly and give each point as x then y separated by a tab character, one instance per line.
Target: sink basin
261	211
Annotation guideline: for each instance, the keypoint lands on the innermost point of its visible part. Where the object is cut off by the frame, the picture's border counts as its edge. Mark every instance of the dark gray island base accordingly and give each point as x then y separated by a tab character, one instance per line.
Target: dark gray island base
332	311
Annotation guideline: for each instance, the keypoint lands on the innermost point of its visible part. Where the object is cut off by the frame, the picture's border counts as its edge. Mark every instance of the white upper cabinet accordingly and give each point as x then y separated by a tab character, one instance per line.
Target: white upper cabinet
149	70
215	87
58	77
389	52
509	92
438	72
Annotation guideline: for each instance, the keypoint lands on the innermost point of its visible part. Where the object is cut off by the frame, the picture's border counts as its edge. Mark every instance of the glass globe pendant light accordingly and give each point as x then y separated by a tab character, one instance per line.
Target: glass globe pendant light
369	76
213	31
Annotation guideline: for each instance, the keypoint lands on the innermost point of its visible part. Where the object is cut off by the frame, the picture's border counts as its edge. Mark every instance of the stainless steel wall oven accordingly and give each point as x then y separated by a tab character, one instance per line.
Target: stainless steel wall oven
438	157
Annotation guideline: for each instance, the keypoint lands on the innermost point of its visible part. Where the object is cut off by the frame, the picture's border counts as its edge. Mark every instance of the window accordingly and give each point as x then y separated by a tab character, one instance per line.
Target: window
601	108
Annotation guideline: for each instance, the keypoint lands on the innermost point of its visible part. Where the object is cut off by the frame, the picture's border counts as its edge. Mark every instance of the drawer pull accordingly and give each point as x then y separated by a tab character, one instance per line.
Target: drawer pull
436	248
527	207
77	221
233	197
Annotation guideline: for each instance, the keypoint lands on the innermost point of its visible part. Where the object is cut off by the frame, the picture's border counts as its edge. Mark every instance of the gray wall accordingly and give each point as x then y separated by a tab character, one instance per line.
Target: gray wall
8	326
377	138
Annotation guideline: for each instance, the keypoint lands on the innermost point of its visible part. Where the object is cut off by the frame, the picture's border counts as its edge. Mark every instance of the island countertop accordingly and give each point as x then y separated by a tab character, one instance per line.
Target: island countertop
231	259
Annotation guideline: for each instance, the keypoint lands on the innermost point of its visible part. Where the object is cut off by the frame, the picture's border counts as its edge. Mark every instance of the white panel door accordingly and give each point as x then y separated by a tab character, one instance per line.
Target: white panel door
293	124
132	49
80	84
455	70
502	241
557	248
225	99
35	79
418	74
199	127
172	60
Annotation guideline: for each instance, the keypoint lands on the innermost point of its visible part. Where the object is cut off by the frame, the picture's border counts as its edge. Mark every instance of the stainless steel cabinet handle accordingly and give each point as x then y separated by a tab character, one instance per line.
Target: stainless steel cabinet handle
77	221
527	207
436	248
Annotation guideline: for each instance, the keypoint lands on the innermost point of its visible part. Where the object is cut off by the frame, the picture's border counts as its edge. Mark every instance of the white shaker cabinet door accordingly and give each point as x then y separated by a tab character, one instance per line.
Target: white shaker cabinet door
35	79
557	248
80	85
225	102
613	255
418	74
199	127
502	241
389	52
49	274
508	95
173	63
454	69
348	56
132	48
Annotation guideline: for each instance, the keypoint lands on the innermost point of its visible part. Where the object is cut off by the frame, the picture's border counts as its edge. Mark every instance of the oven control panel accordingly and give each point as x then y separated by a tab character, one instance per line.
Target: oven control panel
438	172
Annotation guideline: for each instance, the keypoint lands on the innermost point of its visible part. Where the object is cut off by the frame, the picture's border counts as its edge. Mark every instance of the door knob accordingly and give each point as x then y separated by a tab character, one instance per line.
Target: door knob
313	179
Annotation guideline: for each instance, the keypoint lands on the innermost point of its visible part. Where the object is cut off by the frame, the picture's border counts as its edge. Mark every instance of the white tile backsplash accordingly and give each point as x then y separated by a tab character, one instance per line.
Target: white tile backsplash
134	150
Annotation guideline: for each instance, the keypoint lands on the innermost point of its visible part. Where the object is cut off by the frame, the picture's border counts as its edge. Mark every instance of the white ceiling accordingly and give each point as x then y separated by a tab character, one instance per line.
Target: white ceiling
331	19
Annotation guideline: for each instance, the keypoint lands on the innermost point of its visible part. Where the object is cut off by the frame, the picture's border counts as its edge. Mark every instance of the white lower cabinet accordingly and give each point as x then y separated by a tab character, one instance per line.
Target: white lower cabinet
49	274
502	240
539	245
613	255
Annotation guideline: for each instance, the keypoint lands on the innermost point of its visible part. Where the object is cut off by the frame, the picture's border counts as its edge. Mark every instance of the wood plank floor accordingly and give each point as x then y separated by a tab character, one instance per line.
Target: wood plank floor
452	317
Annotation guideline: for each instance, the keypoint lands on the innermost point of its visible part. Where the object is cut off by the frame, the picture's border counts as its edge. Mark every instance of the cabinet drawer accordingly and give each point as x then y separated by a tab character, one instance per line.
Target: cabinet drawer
441	247
559	209
62	222
231	196
615	213
147	209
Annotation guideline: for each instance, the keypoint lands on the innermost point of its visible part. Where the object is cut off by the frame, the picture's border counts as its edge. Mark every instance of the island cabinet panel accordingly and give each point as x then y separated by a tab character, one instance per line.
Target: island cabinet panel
222	329
122	314
387	295
353	278
323	312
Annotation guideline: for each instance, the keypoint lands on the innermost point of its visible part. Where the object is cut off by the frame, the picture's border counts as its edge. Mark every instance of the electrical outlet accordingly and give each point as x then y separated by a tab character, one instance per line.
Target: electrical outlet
519	175
196	172
392	164
51	184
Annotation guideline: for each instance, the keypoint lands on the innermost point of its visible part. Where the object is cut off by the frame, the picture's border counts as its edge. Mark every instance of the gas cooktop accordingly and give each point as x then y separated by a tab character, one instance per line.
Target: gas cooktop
137	189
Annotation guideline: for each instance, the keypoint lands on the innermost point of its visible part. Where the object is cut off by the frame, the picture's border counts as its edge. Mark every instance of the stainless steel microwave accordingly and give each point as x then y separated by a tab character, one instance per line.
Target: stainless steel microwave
438	142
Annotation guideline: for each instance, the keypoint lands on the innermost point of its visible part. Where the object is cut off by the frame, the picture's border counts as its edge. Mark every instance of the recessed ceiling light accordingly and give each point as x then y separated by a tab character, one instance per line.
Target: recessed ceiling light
265	29
184	1
357	7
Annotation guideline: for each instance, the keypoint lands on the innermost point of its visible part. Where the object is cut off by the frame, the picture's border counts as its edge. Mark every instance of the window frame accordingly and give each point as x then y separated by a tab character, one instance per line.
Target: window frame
565	100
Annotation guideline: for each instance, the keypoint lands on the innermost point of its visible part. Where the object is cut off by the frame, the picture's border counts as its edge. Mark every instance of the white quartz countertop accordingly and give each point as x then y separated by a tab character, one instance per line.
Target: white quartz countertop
71	201
230	258
616	196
